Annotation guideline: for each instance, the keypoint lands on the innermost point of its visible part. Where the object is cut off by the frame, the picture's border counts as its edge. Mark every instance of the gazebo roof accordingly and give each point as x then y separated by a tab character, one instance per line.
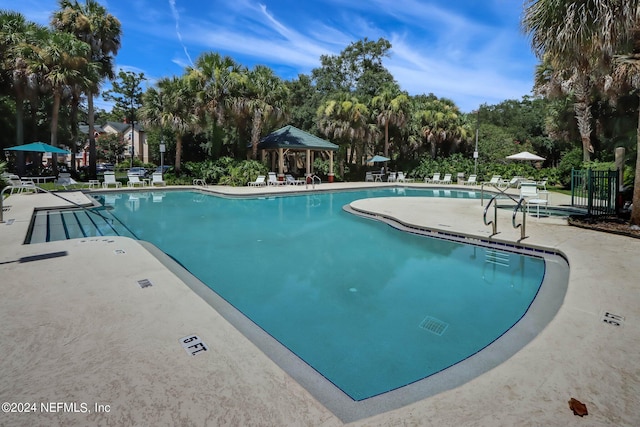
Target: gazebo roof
294	139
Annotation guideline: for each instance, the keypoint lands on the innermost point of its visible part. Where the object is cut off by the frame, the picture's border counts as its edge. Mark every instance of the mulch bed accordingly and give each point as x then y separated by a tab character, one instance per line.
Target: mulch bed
607	224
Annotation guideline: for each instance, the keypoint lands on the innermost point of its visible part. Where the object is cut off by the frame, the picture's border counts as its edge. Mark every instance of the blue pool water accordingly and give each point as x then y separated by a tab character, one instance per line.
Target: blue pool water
369	307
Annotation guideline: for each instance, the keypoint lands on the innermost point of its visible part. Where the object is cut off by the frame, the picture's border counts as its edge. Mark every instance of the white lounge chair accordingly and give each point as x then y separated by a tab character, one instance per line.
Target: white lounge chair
434	179
495	180
392	177
472	180
513	183
19	185
109	179
156	179
542	184
290	180
403	178
259	182
273	179
446	179
529	192
134	181
368	177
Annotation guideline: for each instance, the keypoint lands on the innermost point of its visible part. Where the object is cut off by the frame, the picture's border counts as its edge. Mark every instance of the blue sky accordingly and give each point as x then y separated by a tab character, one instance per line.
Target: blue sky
470	51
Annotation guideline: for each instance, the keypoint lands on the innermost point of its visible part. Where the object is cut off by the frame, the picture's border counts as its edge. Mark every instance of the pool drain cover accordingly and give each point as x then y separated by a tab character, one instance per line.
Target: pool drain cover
433	325
144	283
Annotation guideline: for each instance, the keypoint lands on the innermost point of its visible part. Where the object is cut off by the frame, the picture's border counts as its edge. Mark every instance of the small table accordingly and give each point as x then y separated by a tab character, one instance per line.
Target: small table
146	182
94	183
377	176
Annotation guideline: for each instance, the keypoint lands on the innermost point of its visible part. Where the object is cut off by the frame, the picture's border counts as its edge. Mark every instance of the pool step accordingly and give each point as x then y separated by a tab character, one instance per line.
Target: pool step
64	224
500	258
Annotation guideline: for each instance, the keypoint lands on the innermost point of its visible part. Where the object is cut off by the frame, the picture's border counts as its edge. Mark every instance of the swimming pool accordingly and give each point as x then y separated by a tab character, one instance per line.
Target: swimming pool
370	308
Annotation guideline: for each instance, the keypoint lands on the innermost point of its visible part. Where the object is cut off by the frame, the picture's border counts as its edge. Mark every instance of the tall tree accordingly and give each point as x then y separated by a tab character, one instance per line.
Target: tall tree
91	23
348	121
126	92
172	105
19	38
62	63
265	102
391	108
585	36
440	122
627	73
358	69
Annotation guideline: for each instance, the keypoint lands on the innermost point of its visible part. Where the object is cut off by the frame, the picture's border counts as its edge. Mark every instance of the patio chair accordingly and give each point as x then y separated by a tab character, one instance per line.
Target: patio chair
495	180
513	183
110	178
259	182
273	179
446	179
403	178
368	176
392	177
472	180
290	180
134	180
542	184
19	185
156	179
434	179
529	192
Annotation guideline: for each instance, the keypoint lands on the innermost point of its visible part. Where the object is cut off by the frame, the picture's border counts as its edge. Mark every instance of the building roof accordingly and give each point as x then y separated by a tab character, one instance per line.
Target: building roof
294	139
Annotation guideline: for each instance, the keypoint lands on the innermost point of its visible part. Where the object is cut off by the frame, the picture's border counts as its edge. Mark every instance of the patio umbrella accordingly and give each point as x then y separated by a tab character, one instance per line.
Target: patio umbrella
525	155
38	147
376	159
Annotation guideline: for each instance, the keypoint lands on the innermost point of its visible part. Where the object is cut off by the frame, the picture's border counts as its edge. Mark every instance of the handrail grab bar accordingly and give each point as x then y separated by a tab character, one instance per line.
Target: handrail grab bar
58	196
494	223
522	226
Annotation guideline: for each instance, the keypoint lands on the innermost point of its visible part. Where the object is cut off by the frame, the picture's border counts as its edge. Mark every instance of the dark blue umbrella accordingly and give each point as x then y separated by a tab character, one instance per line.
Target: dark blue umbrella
38	147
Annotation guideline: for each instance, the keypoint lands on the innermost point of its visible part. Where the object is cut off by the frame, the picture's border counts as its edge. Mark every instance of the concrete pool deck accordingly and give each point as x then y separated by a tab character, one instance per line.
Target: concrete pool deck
79	329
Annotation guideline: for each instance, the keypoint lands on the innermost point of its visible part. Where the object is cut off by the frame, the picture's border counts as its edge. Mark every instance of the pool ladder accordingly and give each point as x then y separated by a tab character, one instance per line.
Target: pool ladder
494	223
314	178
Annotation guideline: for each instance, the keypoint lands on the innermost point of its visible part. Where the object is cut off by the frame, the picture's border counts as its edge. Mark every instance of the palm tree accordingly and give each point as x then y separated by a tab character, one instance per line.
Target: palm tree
585	38
91	23
173	105
440	121
15	35
579	40
346	119
391	109
218	78
265	102
627	73
62	63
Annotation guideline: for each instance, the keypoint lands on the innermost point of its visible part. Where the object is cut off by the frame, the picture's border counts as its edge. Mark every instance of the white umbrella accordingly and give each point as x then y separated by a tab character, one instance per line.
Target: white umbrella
525	155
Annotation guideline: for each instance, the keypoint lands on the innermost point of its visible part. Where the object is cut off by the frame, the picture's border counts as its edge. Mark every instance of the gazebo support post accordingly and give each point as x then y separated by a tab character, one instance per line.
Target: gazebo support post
280	164
330	166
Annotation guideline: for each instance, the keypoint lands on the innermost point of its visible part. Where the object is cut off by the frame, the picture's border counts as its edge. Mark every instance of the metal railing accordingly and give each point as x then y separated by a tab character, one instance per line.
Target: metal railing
85	208
313	181
523	225
494	223
597	191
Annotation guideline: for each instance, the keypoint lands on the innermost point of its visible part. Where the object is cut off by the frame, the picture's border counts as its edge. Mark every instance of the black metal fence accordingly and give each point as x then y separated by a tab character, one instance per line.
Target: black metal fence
597	191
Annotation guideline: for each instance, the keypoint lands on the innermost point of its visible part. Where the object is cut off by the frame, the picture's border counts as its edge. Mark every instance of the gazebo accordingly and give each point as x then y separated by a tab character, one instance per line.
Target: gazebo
290	139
